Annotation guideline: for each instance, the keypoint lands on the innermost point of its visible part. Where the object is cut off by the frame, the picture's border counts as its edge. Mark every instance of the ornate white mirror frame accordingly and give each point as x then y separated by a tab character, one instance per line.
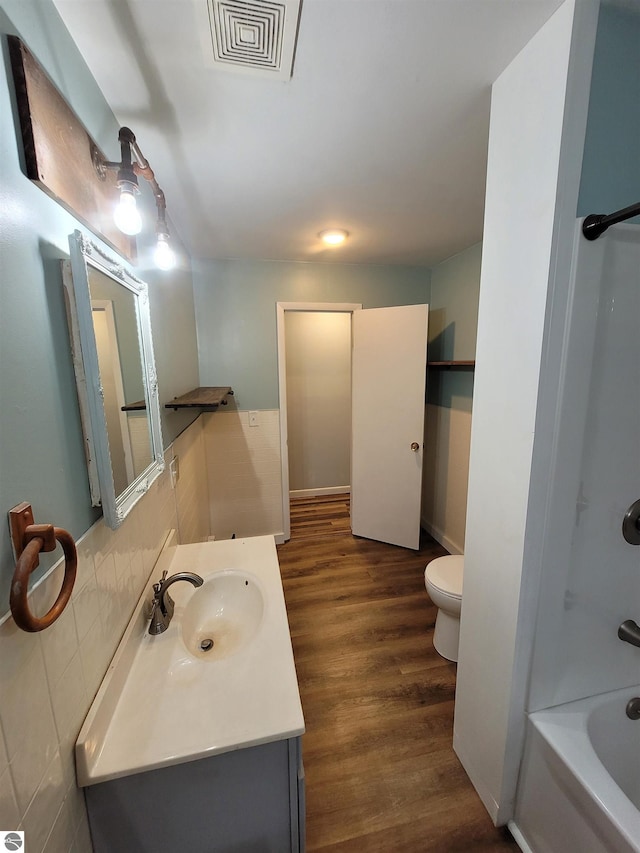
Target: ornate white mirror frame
87	256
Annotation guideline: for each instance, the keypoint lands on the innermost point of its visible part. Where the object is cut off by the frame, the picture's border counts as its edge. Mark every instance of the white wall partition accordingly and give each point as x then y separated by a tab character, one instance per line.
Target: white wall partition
538	117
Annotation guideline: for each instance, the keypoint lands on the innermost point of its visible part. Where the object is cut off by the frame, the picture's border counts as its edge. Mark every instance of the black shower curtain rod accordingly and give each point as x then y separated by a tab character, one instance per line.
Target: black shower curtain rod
597	223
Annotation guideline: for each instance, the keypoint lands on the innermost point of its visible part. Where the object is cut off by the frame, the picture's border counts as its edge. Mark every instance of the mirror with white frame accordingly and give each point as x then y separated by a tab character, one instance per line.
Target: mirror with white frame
110	328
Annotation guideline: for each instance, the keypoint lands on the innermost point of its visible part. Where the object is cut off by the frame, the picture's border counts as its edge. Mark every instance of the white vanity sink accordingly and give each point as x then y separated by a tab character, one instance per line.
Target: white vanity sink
225	615
173	698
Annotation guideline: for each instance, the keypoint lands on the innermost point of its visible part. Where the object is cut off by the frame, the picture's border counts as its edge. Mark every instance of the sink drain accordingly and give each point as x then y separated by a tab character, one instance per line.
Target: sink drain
206	645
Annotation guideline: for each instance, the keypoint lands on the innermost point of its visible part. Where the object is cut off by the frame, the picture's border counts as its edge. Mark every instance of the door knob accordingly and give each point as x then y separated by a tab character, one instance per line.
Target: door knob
415	446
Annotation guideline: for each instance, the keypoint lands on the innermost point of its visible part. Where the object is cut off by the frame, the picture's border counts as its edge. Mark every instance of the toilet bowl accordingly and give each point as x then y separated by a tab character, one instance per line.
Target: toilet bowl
443	580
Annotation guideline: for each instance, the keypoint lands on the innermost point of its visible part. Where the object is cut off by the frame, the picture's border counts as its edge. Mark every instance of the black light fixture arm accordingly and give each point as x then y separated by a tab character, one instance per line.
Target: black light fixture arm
141	167
597	223
129	168
126	171
133	164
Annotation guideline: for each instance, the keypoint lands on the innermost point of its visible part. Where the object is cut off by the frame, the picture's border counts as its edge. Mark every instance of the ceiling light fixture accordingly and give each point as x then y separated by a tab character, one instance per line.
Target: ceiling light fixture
333	236
126	215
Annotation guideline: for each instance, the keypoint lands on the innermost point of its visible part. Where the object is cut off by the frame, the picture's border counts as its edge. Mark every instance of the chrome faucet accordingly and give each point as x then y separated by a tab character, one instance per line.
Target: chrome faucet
163	605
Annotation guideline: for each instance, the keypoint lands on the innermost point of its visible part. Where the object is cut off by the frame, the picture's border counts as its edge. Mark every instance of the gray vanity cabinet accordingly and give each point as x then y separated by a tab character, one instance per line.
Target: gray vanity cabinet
249	800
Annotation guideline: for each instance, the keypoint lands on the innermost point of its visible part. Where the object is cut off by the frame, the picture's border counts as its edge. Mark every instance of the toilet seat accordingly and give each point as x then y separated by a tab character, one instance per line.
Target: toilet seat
445	575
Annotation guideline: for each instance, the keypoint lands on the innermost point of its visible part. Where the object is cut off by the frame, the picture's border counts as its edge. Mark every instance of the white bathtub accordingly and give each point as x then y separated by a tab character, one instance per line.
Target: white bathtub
579	787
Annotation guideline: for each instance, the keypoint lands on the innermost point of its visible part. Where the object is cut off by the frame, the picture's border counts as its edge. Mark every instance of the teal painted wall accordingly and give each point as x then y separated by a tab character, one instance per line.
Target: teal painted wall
236	313
611	165
41	444
453	322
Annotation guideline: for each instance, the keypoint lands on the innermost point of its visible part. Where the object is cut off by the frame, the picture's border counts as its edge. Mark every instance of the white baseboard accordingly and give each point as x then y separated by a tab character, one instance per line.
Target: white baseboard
451	546
279	537
313	493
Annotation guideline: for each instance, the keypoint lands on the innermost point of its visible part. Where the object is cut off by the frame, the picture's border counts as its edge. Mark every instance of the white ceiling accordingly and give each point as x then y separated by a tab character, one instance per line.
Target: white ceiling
382	129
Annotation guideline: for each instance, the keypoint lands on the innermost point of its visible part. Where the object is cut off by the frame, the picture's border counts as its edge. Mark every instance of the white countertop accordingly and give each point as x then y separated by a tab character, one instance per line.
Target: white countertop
160	705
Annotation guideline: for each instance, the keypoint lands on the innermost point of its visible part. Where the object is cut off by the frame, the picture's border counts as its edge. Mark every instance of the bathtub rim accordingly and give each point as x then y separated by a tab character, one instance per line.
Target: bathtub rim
563	729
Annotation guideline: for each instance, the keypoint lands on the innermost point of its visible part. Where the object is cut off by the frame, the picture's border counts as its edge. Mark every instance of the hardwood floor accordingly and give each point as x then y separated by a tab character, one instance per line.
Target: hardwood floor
381	775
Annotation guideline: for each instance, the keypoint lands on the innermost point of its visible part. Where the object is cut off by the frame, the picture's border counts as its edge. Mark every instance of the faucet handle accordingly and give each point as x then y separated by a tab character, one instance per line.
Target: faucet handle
629	632
150	606
158	586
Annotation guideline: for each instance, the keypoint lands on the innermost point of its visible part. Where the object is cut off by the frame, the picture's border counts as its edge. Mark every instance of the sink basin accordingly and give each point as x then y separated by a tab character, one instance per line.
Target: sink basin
223	615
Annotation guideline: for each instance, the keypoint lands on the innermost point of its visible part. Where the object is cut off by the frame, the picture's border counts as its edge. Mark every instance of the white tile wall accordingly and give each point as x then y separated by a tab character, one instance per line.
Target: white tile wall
192	487
244	473
48	680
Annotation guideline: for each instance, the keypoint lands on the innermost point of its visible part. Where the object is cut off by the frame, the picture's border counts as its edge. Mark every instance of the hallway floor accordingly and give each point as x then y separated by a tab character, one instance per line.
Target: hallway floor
381	775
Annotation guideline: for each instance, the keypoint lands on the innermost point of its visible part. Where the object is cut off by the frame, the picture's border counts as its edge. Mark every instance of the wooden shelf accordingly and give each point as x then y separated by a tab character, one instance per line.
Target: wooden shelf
139	406
448	365
201	398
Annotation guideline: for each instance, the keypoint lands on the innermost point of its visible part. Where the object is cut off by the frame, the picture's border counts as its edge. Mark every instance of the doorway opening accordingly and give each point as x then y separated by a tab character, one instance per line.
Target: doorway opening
388	362
315	425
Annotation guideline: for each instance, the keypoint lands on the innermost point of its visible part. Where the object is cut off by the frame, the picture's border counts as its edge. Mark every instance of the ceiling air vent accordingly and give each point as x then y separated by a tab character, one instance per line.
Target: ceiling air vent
256	36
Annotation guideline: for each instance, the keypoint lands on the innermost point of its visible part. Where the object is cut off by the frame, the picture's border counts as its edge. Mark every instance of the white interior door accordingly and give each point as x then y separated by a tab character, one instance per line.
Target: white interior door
389	368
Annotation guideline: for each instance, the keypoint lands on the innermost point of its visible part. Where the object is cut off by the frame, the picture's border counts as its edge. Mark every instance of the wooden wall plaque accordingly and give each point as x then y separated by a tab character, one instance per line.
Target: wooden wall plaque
59	152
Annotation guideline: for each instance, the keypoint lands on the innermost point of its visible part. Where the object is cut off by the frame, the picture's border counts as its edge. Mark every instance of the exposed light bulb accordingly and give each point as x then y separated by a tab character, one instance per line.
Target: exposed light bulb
164	256
333	236
126	215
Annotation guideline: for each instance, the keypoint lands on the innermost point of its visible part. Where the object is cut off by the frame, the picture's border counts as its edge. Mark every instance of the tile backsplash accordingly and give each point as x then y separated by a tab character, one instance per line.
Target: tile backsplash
48	679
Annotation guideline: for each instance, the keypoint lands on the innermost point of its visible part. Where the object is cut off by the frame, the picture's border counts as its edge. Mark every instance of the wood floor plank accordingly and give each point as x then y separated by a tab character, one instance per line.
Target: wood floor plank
381	774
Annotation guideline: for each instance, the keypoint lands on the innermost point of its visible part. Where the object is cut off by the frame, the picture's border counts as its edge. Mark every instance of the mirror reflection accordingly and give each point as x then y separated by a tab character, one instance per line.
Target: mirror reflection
115	325
112	348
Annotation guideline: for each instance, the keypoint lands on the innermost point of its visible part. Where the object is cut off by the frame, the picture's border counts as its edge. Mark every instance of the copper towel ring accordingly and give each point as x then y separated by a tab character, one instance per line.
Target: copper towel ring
29	540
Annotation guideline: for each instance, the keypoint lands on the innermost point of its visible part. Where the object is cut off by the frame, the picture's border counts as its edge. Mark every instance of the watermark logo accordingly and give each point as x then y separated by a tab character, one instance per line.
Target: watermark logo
12	840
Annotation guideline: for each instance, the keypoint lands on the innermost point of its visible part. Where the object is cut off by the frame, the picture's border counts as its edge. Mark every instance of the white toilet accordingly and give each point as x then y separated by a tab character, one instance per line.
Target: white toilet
443	580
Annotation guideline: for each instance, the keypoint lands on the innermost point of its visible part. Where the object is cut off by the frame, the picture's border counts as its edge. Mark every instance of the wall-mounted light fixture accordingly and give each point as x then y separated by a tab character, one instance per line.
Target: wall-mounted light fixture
126	214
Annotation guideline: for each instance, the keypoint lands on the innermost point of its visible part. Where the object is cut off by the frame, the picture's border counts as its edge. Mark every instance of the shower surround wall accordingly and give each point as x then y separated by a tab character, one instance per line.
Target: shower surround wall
591	580
598	578
591	576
